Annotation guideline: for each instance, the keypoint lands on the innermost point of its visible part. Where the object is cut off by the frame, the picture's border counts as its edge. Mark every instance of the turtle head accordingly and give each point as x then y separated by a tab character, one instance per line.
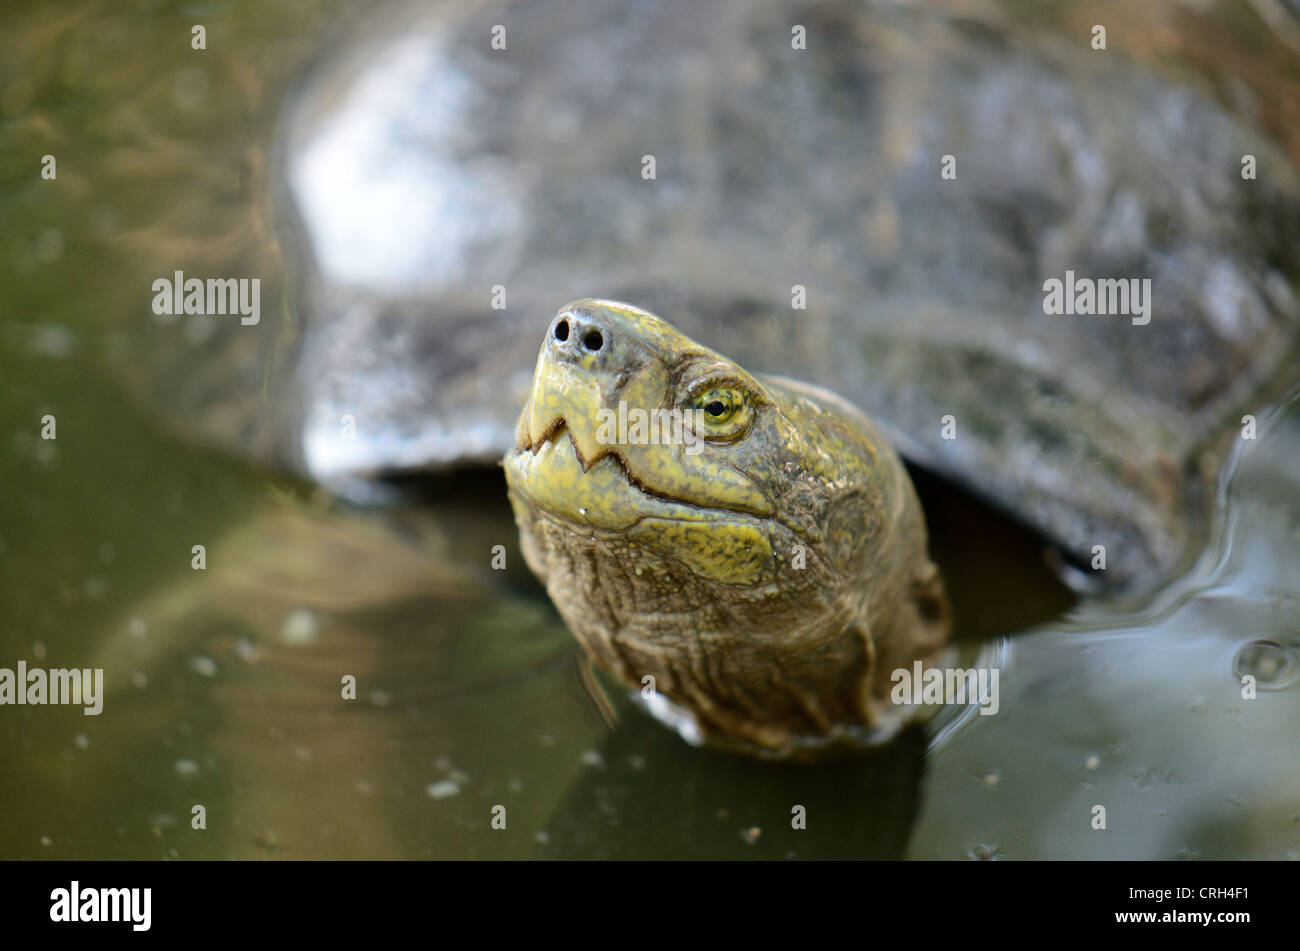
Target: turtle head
743	541
632	426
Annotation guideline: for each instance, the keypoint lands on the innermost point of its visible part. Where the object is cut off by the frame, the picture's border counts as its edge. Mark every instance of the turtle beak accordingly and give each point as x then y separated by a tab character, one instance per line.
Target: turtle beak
577	373
602	361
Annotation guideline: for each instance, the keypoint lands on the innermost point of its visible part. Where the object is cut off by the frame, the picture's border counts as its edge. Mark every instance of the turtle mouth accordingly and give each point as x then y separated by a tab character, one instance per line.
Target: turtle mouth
558	429
600	498
595	489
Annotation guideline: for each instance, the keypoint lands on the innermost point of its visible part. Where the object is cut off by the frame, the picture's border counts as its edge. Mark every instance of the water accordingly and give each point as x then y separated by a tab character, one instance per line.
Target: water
226	685
1142	713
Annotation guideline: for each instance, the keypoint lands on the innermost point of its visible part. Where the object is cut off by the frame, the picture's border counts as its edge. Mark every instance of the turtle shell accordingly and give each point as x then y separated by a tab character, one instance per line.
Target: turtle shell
872	197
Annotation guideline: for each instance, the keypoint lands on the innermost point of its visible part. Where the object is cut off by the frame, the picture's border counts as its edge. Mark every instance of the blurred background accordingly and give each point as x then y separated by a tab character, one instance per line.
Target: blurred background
380	176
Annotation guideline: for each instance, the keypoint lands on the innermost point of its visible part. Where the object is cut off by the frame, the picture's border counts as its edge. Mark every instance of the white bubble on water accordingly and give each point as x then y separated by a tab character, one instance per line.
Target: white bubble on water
203	665
300	628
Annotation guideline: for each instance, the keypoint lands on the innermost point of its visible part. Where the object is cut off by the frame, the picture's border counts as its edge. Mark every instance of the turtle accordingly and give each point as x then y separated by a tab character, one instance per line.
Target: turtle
801	187
750	550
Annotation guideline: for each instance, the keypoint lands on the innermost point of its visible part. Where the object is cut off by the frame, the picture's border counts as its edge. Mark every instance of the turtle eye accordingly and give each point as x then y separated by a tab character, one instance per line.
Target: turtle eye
721	412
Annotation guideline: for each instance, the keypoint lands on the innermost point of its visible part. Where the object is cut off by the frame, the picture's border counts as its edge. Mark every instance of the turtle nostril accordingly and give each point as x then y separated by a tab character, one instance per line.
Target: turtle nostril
593	341
562	330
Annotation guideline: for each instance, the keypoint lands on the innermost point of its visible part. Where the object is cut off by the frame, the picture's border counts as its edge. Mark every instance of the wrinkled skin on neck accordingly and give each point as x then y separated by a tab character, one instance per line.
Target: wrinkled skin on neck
768	569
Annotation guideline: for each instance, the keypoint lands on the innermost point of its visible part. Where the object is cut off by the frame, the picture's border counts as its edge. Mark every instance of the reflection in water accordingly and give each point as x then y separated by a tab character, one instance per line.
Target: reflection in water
647	795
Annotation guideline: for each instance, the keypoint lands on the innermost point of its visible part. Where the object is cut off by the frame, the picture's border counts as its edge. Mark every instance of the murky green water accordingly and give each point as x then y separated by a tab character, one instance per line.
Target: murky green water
224	684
